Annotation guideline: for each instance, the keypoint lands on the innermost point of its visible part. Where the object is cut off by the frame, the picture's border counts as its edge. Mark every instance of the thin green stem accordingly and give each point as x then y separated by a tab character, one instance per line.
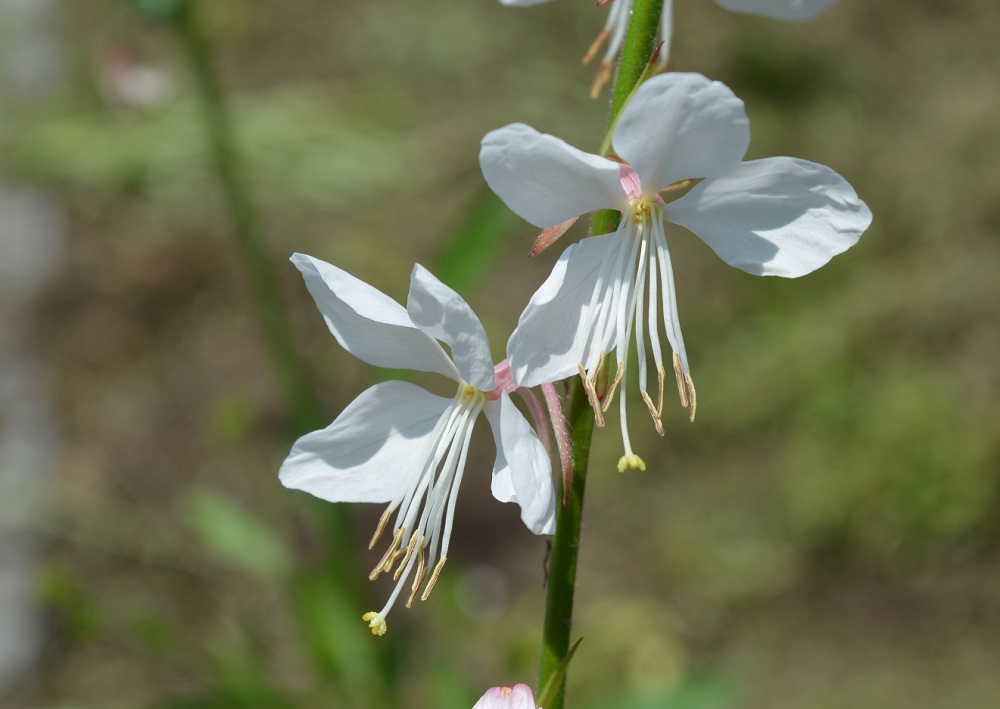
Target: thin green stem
358	663
302	403
640	41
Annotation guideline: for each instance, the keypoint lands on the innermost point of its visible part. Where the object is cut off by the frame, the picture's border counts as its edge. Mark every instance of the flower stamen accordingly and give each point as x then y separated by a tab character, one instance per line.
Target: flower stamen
434	578
590	386
387	560
381	527
610	394
417	537
428	506
596	45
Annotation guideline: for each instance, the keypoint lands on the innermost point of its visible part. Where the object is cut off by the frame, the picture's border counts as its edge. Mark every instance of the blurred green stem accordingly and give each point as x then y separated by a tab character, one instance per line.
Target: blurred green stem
362	665
640	41
302	403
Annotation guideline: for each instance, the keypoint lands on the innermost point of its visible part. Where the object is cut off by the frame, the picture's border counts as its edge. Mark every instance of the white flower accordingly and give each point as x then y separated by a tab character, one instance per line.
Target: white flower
621	10
773	217
398	444
518	696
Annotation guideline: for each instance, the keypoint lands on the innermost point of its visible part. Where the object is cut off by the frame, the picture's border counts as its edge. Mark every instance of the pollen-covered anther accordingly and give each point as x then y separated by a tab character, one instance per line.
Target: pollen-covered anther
417	538
631	461
384	520
376	621
596	45
603	76
609	395
434	578
385	564
418	578
685	388
657	421
595	402
681	384
692	395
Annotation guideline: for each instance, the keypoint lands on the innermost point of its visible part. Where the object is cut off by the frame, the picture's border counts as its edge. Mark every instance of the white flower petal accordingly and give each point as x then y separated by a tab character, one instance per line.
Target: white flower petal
551	336
517	697
790	10
442	313
523	467
545	180
368	323
376	445
774	217
681	126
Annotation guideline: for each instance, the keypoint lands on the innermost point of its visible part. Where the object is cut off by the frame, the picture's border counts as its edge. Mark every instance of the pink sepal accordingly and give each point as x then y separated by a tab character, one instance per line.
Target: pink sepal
549	236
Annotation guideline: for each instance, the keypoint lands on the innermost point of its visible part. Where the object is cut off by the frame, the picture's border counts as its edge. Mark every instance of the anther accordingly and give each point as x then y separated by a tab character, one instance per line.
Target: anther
418	578
417	537
381	527
681	384
692	395
661	375
652	411
595	47
610	394
603	76
595	404
434	578
387	559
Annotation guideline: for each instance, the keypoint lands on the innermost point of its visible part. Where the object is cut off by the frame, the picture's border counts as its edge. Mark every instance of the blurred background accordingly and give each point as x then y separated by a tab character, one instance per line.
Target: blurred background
825	535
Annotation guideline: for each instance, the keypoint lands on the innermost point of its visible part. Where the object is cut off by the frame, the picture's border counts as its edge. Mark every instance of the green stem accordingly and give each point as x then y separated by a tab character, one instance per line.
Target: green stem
640	41
302	403
303	406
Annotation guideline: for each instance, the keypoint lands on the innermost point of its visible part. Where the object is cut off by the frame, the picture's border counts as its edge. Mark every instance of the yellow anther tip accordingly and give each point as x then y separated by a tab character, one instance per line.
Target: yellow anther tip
376	621
631	461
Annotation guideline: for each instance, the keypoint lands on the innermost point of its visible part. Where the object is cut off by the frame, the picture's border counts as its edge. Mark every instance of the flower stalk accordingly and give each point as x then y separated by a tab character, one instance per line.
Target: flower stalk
302	403
303	406
640	43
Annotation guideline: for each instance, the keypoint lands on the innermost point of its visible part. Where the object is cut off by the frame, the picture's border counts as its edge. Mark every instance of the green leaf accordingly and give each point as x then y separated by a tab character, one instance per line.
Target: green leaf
556	679
235	536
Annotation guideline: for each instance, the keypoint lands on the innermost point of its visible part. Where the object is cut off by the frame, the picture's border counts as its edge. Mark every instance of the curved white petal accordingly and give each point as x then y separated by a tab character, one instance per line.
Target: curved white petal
368	323
789	10
774	217
545	180
376	445
681	126
517	697
523	472
551	336
442	313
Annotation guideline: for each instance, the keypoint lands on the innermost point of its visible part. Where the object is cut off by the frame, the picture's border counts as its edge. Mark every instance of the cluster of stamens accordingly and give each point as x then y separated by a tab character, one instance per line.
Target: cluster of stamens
634	284
425	510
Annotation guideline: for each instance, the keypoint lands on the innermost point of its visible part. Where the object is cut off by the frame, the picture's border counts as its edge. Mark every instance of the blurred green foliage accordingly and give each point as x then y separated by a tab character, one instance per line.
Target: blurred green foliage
235	536
824	536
